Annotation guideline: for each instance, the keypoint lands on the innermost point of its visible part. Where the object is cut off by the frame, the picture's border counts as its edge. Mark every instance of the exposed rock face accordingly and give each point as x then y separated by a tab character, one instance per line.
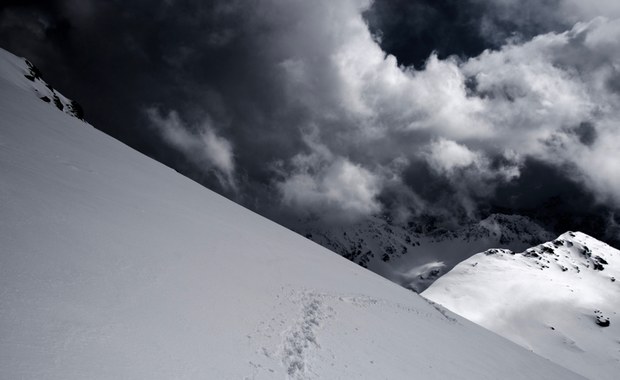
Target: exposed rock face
48	94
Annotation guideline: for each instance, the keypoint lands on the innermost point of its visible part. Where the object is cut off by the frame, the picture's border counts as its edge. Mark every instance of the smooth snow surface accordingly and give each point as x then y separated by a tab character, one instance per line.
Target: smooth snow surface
113	266
554	299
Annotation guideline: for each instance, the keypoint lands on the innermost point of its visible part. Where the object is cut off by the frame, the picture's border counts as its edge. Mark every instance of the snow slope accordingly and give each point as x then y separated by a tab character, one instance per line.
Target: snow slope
414	256
555	299
113	266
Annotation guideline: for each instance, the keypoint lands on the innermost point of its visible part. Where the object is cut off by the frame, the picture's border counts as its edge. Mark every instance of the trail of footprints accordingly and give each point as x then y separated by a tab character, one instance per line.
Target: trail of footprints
299	338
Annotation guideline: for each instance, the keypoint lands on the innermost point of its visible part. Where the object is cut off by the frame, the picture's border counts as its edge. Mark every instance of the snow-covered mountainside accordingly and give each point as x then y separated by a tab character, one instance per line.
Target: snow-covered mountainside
412	255
113	266
560	299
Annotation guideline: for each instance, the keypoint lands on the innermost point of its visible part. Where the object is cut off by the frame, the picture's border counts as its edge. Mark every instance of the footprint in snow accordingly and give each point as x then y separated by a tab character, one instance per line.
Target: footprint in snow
300	339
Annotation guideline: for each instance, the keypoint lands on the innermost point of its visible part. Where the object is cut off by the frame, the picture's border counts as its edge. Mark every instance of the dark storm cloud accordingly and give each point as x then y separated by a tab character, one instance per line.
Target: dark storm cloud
197	58
294	109
586	133
547	194
412	30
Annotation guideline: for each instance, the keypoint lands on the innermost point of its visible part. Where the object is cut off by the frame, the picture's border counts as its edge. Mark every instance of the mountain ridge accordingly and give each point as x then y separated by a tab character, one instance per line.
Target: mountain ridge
413	256
560	299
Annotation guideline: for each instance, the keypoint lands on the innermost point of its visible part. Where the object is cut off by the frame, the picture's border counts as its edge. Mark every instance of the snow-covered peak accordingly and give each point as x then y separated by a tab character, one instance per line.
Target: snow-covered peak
573	252
561	299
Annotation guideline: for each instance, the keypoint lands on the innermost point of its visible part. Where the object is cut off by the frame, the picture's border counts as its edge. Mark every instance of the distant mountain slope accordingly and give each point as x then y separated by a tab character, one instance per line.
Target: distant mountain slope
113	266
415	256
560	299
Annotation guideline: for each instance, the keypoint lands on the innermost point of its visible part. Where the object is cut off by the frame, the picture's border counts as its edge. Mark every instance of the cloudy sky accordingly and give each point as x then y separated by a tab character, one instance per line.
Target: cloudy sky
343	109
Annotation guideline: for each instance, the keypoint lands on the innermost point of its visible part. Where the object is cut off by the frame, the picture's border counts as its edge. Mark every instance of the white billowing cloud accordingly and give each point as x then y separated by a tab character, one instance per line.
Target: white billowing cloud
541	15
353	80
320	182
474	121
203	147
341	185
446	156
442	95
527	97
528	100
596	166
523	100
470	172
538	94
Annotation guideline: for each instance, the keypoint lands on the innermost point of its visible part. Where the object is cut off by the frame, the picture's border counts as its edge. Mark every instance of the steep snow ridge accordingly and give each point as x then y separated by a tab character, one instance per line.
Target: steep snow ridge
39	87
416	255
113	266
560	299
